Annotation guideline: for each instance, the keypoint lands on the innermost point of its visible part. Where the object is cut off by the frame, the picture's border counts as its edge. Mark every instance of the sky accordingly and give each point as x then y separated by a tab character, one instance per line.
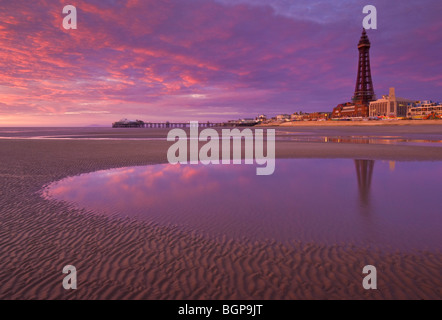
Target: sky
206	60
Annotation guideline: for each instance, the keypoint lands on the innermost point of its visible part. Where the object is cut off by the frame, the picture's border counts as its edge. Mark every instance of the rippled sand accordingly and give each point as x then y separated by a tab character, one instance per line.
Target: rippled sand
127	259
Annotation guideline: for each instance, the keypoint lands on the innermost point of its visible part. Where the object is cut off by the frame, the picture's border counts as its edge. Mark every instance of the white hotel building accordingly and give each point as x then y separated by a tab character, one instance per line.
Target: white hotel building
424	109
390	106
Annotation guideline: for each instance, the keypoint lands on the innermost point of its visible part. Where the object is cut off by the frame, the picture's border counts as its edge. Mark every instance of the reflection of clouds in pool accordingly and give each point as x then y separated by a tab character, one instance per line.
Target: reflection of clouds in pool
309	200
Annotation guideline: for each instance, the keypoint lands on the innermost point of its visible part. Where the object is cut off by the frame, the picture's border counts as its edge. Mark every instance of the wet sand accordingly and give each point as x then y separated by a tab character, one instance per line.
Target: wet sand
128	259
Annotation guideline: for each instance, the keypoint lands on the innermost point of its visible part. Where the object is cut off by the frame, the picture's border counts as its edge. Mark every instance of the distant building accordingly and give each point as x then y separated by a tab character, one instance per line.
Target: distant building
261	118
390	106
246	122
297	116
425	110
125	123
349	110
283	117
315	116
318	116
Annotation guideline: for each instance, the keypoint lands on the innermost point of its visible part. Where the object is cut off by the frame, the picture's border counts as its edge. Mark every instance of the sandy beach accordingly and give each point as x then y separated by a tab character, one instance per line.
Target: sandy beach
130	259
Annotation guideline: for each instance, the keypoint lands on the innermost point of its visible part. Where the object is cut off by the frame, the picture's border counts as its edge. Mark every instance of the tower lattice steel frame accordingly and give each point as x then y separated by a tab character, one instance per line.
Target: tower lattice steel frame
364	92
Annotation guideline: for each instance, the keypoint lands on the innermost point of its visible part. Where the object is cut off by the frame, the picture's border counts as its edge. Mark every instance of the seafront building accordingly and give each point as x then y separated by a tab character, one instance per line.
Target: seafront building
425	110
349	110
390	106
283	117
298	116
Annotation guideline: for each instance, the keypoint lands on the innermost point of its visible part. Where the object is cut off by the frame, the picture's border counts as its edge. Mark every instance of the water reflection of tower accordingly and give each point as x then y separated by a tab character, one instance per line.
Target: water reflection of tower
364	172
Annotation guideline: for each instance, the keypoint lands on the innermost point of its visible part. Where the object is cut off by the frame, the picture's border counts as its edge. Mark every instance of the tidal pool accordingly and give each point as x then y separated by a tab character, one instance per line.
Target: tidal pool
377	204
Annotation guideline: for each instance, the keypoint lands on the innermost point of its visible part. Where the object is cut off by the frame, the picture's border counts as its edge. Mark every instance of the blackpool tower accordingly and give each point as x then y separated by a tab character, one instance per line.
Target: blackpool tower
364	92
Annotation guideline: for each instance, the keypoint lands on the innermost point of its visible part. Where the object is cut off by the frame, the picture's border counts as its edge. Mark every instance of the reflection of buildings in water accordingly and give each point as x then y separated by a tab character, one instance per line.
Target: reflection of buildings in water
392	165
364	172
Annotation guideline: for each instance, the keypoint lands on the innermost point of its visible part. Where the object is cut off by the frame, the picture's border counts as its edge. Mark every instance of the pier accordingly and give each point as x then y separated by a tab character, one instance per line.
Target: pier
180	125
124	123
